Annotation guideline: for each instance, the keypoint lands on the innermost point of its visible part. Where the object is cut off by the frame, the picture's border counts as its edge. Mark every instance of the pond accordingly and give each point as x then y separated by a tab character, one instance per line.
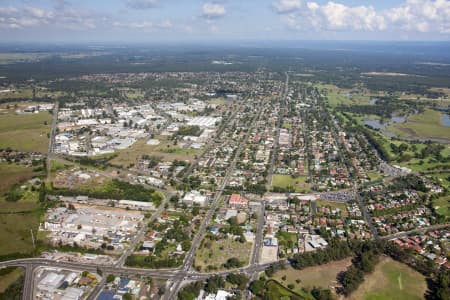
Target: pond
445	120
376	124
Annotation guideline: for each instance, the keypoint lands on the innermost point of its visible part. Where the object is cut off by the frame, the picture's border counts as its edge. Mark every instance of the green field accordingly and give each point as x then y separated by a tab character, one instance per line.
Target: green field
11	174
338	96
442	206
17	94
15	231
275	290
285	181
26	132
392	280
423	125
165	149
217	101
323	276
217	253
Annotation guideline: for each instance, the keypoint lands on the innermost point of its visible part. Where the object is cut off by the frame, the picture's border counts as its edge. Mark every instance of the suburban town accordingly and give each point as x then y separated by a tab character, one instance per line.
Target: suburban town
225	150
198	193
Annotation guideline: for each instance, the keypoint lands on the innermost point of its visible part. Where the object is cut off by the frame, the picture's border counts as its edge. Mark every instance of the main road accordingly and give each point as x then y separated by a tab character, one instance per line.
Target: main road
51	143
189	260
278	129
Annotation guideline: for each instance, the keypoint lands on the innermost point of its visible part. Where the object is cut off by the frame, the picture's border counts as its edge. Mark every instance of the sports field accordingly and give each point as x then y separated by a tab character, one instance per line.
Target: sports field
285	181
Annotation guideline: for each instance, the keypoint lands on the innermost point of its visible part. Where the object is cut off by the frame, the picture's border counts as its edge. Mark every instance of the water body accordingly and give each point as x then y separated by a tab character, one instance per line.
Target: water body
376	124
382	126
445	120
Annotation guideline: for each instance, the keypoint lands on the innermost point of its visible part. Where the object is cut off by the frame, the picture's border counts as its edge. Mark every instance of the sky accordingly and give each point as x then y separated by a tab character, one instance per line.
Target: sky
222	20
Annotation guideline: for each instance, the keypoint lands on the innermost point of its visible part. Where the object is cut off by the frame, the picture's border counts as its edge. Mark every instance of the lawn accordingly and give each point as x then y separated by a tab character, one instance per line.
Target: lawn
323	276
284	181
423	125
392	280
216	253
12	174
26	132
442	206
165	149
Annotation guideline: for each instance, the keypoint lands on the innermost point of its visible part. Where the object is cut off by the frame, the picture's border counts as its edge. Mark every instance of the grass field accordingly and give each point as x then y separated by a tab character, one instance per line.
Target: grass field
15	235
391	280
442	206
443	178
337	96
284	181
374	175
7	279
275	290
17	94
165	149
323	276
26	132
11	174
220	251
423	125
217	101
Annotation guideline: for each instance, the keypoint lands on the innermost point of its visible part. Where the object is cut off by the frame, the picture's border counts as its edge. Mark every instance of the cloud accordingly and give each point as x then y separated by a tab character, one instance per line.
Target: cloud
410	16
286	6
30	16
421	16
142	4
145	25
213	10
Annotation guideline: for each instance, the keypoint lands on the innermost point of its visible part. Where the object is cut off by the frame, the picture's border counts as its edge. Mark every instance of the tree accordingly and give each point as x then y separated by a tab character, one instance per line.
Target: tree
257	287
186	245
42	192
110	278
238	279
320	294
214	283
127	296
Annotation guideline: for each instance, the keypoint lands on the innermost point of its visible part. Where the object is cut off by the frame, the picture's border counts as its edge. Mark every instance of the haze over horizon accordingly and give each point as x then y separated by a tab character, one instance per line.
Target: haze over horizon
173	20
